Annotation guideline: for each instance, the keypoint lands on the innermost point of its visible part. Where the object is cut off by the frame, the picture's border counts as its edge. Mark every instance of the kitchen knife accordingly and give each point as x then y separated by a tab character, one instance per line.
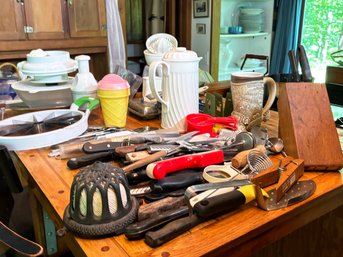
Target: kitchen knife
140	163
304	64
171	230
294	65
147	211
158	170
87	159
137	230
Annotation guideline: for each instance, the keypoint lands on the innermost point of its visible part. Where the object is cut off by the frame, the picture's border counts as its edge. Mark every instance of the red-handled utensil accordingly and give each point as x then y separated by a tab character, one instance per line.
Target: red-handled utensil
204	123
158	170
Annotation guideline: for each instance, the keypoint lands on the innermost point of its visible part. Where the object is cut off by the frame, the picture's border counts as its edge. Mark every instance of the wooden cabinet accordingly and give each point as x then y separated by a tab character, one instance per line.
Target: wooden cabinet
229	50
87	18
76	26
12	20
59	19
45	19
32	19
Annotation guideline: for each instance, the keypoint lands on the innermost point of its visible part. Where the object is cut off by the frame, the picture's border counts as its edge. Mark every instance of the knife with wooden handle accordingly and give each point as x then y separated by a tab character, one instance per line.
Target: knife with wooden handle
140	163
304	64
158	170
294	65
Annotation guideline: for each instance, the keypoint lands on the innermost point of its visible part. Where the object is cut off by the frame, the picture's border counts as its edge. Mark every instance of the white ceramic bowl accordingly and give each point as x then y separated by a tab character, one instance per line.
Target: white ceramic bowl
151	57
41	96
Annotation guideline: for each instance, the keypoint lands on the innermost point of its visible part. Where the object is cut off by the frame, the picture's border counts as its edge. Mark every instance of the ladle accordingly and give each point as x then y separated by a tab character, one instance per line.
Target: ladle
275	145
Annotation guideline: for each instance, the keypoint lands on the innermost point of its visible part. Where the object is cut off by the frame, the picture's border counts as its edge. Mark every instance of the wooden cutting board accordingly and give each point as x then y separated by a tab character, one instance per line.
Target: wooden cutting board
307	126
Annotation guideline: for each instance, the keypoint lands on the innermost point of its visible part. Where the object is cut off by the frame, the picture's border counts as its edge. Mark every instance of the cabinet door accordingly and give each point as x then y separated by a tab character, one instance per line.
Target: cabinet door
12	23
44	19
87	18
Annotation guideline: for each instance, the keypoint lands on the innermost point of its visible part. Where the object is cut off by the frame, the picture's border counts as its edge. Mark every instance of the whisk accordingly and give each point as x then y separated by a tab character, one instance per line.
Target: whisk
257	161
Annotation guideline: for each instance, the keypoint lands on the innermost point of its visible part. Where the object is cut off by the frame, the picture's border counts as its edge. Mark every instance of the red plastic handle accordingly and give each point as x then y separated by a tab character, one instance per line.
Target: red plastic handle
204	123
158	170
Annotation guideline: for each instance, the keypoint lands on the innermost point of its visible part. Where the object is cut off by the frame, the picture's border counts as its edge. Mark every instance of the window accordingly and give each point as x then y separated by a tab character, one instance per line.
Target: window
321	33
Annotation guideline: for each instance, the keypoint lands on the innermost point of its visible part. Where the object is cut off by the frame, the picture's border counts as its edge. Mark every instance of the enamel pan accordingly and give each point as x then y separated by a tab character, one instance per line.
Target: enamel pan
44	139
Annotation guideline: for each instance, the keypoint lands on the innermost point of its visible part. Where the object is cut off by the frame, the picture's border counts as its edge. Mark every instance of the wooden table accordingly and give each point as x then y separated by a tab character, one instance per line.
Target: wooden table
240	233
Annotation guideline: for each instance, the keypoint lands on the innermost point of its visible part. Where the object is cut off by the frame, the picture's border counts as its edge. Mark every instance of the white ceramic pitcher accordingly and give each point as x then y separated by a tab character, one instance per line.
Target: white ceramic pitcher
180	86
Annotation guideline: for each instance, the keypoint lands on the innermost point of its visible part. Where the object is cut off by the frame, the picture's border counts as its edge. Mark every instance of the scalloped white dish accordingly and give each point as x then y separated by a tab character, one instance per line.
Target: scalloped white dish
53	81
47	68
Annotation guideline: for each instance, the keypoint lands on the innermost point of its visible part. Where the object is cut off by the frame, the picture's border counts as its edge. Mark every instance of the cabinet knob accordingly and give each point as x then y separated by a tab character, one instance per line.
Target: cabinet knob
20	2
70	2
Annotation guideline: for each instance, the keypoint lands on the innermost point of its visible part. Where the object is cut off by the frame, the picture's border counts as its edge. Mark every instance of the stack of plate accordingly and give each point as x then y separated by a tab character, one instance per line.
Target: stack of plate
251	19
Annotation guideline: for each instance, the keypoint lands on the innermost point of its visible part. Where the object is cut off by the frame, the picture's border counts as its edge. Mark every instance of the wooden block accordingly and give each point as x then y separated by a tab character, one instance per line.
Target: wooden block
307	127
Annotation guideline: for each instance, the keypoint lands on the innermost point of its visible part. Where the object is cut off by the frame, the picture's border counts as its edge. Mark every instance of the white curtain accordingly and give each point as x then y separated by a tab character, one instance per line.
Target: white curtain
116	46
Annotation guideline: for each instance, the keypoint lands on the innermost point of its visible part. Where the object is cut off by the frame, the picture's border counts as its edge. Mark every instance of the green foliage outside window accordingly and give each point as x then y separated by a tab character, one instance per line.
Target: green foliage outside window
322	29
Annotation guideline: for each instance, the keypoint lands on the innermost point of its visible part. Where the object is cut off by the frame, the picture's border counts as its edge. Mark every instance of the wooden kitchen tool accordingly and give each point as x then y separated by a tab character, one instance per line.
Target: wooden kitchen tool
294	170
271	175
307	127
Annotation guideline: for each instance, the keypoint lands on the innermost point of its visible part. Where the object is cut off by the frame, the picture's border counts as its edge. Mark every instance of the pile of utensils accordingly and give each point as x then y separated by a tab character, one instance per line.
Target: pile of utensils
185	179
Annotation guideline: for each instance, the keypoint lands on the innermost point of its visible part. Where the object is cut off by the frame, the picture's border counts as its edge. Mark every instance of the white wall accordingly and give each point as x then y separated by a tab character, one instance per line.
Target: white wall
201	42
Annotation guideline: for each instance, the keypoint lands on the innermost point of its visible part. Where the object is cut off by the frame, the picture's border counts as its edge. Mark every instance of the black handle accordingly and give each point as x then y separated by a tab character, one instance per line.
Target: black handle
87	159
137	176
171	230
219	204
100	147
137	230
177	180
